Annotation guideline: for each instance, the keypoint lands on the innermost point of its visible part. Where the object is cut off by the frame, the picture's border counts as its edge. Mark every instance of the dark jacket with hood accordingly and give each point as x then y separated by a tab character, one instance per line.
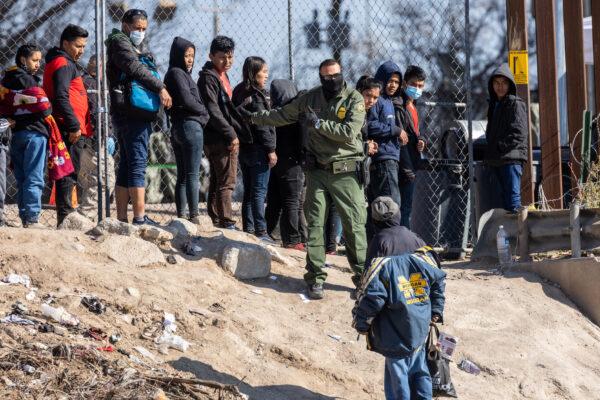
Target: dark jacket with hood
254	136
506	133
224	123
123	59
409	155
63	83
187	103
398	297
392	239
381	125
17	78
289	137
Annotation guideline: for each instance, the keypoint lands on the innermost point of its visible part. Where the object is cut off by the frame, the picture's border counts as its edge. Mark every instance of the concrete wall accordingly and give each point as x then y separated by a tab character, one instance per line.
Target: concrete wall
579	279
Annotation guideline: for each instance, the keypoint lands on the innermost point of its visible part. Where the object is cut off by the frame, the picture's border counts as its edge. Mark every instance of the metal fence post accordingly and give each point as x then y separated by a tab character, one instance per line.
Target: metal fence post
290	49
99	106
470	121
105	107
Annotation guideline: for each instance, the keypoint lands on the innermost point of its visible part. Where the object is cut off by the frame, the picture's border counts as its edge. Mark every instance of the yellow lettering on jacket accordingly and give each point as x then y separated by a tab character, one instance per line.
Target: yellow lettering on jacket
413	289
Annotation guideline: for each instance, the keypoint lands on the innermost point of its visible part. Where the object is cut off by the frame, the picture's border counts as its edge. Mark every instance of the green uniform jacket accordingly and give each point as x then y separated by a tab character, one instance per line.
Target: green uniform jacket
338	138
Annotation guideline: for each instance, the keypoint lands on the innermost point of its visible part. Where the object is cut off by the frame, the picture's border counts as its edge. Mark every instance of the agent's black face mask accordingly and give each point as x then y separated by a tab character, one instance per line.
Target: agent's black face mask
332	85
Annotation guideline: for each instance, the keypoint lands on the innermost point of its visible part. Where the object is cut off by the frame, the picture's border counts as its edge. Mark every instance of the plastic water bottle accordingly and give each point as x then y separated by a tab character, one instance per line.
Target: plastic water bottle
59	315
503	246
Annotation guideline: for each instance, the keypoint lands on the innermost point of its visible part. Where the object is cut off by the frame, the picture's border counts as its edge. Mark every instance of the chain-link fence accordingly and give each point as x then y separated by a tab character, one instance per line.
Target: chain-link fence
294	37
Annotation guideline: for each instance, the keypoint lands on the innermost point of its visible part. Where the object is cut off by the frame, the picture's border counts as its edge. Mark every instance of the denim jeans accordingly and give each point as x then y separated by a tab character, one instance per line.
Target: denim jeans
383	182
28	156
255	173
187	141
509	176
133	138
408	378
407	190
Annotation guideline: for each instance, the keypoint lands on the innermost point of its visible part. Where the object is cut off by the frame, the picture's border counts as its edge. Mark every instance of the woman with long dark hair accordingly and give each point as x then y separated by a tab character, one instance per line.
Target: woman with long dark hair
257	146
188	119
29	140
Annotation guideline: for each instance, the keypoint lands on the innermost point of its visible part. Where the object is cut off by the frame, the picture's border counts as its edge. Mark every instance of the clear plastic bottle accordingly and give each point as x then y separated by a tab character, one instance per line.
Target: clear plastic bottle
469	366
59	315
503	246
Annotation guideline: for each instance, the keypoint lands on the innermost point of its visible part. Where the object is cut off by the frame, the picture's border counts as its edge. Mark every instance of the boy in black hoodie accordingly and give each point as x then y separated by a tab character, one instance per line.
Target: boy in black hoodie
221	144
188	119
506	134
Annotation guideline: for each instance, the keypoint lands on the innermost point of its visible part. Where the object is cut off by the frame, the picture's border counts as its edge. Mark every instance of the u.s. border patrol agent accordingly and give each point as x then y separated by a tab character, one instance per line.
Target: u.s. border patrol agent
333	115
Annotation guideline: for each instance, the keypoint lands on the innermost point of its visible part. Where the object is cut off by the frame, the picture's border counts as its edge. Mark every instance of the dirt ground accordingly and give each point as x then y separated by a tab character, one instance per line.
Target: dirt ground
529	339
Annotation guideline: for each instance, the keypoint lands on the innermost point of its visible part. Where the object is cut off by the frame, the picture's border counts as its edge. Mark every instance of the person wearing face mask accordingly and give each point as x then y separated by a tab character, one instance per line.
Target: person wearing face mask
125	63
411	152
188	119
63	83
257	146
29	140
333	115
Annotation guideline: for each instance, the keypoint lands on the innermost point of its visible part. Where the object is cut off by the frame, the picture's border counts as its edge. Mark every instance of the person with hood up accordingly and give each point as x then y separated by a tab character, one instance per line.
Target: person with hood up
382	128
391	238
506	135
257	146
221	143
126	62
287	179
63	83
29	140
188	119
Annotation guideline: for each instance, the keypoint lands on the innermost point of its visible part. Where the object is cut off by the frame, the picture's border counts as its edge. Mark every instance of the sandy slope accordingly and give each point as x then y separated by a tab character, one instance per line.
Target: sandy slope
531	341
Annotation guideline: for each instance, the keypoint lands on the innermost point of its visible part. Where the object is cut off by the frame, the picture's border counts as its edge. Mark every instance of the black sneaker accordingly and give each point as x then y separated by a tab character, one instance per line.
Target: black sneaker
315	291
145	220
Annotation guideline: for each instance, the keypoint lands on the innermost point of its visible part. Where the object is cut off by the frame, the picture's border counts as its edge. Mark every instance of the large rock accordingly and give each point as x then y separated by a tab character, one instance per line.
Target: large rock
155	234
182	227
76	222
246	261
115	227
131	251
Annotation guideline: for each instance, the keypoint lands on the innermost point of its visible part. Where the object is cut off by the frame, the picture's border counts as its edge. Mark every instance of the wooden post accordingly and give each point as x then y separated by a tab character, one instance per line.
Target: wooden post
548	94
576	81
517	47
575	227
523	235
596	40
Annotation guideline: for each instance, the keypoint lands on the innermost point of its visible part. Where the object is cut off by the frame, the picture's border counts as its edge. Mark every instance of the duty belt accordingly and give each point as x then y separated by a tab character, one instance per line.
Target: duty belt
339	167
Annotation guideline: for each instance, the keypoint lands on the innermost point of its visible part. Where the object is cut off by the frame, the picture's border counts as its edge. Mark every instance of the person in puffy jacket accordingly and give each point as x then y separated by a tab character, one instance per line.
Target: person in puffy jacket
399	297
257	146
188	119
63	83
506	135
29	142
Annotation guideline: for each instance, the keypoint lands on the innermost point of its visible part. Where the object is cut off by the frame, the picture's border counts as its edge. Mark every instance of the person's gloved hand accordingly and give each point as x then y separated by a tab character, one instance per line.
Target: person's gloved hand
110	145
311	118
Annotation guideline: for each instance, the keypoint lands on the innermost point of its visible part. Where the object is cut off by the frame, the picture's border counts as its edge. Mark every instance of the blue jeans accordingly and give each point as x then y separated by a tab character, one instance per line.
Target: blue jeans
509	176
133	138
408	378
255	173
187	141
406	198
28	156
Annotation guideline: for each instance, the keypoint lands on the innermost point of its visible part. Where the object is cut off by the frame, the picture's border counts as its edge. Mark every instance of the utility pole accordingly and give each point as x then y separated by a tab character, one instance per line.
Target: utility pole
576	82
518	60
548	93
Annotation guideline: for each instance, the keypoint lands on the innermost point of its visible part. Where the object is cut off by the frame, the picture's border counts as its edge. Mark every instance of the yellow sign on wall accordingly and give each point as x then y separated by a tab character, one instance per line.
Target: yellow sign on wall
518	60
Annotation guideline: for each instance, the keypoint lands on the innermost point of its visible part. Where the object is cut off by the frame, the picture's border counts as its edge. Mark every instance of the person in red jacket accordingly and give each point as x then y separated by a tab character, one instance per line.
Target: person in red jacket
63	83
